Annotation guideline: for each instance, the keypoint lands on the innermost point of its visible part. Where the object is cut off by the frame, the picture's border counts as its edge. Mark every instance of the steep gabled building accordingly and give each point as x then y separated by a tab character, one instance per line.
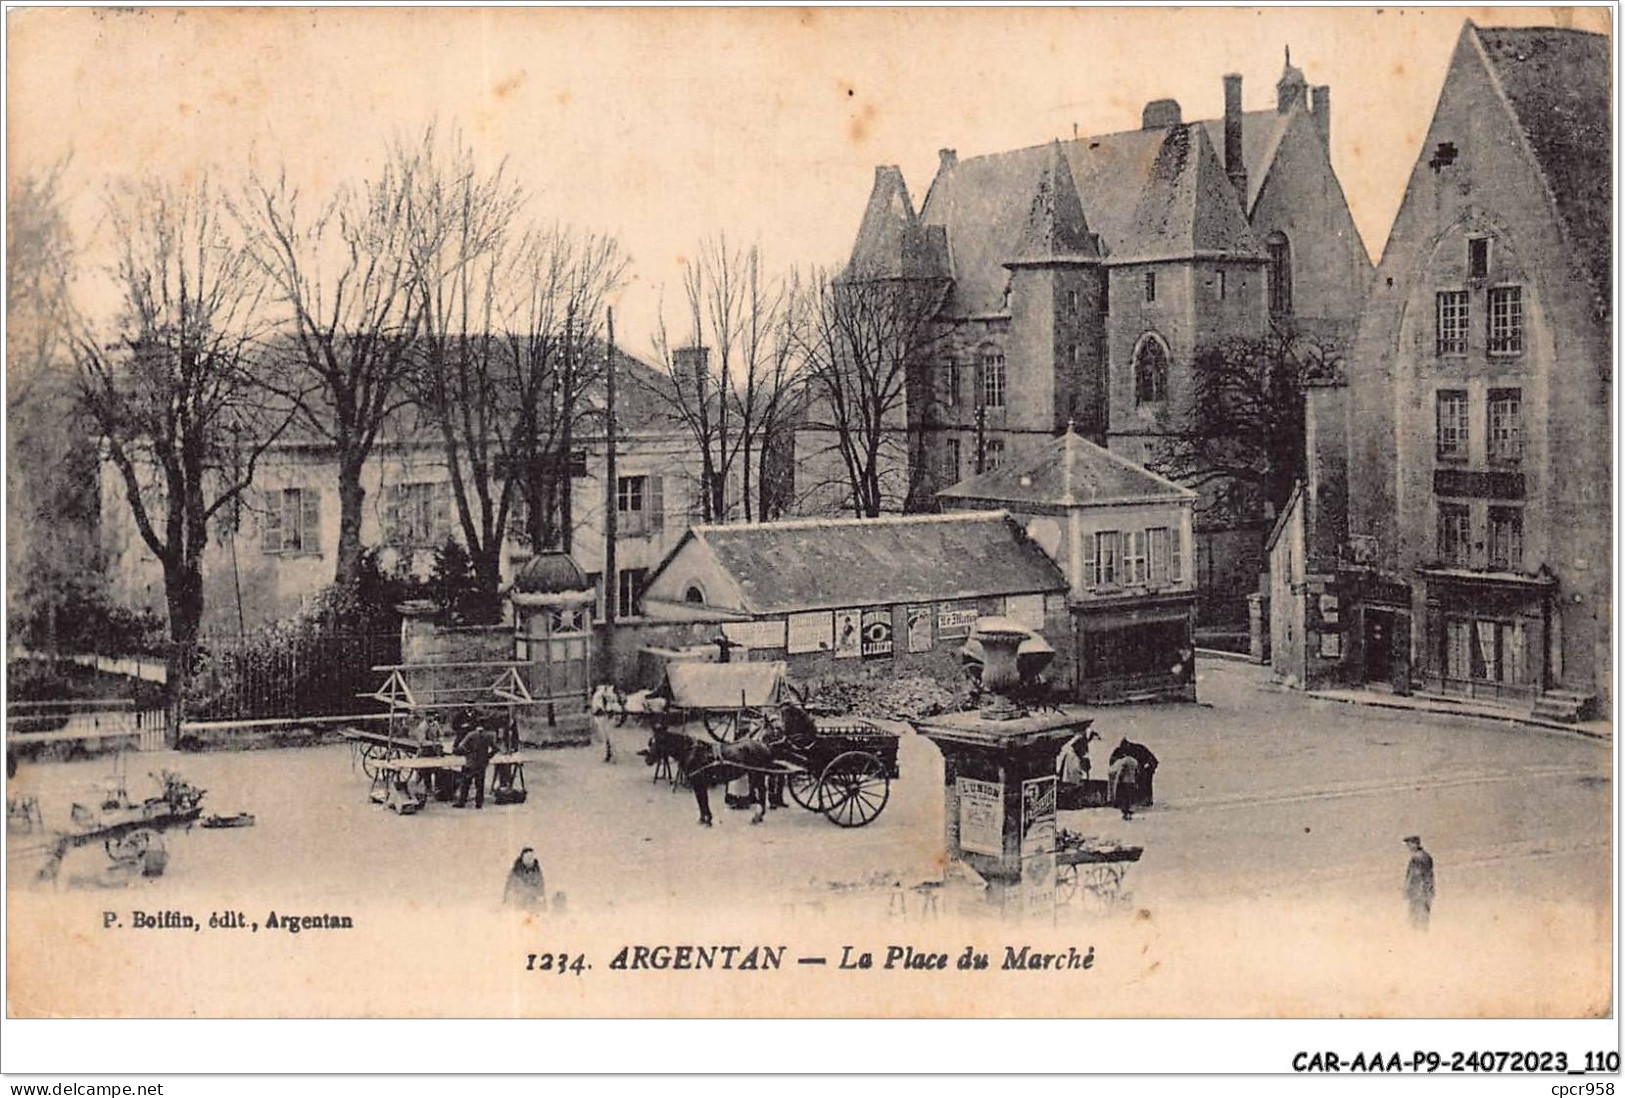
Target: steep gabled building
1079	278
1480	476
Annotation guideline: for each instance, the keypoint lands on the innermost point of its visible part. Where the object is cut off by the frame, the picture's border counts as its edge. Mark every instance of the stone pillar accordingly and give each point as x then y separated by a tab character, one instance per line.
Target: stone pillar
999	803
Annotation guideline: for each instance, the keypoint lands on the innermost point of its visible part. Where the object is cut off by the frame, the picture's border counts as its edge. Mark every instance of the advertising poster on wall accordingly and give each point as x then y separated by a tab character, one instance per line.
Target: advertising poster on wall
919	628
877	633
812	632
848	630
981	816
755	634
955	619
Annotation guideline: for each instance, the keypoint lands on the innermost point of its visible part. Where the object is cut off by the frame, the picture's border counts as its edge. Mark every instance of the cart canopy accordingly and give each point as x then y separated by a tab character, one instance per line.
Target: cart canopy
725	685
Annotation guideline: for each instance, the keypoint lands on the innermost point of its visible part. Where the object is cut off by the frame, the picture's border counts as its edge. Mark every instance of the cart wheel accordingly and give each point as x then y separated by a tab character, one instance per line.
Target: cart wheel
130	847
723	726
1066	883
370	754
855	789
806	790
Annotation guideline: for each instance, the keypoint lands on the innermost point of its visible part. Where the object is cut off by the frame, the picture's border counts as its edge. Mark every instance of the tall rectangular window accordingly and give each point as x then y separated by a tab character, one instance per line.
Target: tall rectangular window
950	461
993	379
1506	320
1506	539
635	506
1506	425
951	387
1455	535
629	589
1450	440
292	521
419	514
1157	545
992	454
1478	257
1222	287
1151	285
1280	250
1072	302
1106	543
1452	322
1134	559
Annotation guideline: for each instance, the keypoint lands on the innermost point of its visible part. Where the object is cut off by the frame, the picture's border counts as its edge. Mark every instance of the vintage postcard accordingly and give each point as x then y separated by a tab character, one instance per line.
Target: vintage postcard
745	513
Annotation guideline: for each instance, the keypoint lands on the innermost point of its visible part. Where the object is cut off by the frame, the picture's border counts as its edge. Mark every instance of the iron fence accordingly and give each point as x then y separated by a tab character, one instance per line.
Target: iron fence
285	675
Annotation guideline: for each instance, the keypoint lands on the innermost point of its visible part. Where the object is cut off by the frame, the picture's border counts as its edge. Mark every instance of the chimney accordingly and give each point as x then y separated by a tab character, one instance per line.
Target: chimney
690	362
948	158
1235	164
1321	108
1159	114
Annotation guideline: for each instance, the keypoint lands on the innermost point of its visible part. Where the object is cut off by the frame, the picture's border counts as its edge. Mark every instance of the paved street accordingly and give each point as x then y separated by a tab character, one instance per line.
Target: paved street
1260	792
1270	882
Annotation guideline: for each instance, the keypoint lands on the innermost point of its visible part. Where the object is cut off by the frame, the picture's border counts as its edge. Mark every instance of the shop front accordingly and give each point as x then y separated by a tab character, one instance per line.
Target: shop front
1488	634
1137	648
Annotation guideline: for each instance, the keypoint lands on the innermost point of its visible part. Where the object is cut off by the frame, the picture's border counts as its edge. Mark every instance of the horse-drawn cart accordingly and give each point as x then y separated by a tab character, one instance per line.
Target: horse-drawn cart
844	769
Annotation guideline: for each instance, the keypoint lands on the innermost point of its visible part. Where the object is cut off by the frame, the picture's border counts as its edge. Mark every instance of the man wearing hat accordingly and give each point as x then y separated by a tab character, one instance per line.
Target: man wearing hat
476	747
1419	883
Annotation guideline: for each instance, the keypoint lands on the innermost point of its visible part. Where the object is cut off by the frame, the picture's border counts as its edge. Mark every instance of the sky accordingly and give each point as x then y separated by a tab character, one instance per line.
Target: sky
665	126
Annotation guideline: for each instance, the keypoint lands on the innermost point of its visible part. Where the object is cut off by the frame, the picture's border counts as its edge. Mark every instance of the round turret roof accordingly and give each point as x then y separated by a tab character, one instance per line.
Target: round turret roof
549	574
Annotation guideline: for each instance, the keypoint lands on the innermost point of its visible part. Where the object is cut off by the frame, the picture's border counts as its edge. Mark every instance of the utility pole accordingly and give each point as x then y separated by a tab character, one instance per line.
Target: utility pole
612	584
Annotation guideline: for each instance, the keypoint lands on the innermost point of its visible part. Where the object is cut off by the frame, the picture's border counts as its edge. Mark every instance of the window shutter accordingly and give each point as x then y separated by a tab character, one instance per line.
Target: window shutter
1090	562
271	522
656	504
392	514
1176	554
310	505
1159	555
440	520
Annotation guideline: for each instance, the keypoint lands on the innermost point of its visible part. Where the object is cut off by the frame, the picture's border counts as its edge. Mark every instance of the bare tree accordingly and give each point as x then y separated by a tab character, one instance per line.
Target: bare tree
344	277
730	386
174	395
1239	436
862	338
51	470
462	260
554	360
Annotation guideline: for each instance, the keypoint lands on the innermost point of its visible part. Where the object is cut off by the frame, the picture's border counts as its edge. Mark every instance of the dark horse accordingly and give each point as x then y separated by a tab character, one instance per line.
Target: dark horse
709	764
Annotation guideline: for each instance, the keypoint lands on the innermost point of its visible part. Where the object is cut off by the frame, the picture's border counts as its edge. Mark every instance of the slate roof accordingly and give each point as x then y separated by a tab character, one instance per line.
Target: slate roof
1557	83
640	407
1143	193
827	564
891	241
1073	472
1055	230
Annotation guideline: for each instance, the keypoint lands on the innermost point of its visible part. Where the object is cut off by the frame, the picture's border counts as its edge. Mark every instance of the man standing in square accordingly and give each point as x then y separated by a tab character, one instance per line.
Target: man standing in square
1419	883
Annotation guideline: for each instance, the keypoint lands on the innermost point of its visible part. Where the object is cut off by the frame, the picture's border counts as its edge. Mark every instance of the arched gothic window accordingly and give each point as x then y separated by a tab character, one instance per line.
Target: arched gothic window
1150	370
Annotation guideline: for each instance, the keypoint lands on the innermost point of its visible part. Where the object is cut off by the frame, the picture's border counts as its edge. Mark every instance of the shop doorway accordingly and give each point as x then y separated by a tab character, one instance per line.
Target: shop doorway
1379	645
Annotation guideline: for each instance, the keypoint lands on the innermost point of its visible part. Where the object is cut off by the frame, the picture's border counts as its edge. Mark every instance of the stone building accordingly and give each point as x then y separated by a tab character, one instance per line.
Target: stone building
1478	554
281	550
1123	536
1081	277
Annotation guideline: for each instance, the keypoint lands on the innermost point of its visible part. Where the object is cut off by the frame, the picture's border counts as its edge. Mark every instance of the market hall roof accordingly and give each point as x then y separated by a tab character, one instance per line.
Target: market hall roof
827	564
1072	472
